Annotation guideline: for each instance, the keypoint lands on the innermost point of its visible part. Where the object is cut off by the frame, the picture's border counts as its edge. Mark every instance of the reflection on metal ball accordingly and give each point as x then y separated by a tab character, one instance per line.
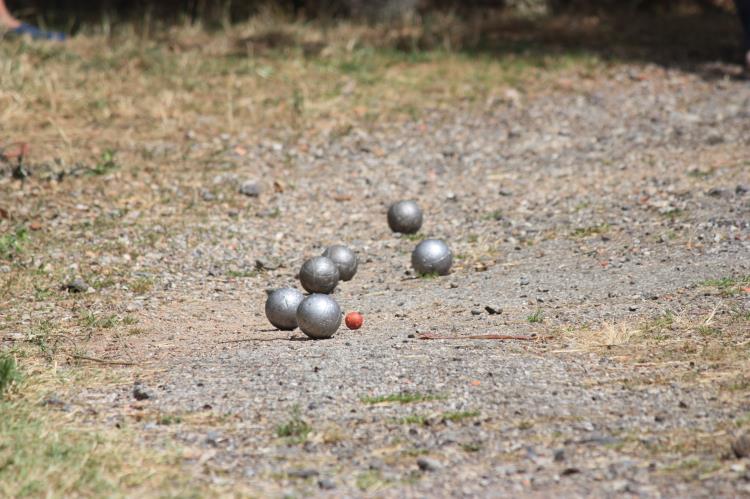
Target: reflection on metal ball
432	256
281	308
405	217
319	275
319	316
345	260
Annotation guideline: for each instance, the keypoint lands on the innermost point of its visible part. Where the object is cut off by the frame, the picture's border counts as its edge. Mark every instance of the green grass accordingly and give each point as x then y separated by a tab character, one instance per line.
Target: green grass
12	244
471	446
295	430
537	317
369	480
657	327
583	232
169	419
459	415
708	330
241	274
494	215
129	320
106	164
428	275
47	453
413	237
414	419
728	286
9	373
401	398
142	285
90	320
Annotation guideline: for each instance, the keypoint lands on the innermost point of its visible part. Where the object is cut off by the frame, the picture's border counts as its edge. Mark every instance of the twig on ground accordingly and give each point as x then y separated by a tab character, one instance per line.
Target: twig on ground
103	361
430	336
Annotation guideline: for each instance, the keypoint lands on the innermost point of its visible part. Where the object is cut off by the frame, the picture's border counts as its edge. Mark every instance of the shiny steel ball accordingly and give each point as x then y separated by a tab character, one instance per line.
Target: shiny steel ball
405	217
281	308
319	316
319	275
432	256
345	260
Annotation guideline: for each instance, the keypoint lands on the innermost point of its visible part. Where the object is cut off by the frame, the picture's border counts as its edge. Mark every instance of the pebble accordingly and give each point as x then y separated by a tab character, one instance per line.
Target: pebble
77	285
427	464
133	306
476	312
140	392
213	438
741	446
250	188
718	192
494	309
326	484
266	264
523	281
303	473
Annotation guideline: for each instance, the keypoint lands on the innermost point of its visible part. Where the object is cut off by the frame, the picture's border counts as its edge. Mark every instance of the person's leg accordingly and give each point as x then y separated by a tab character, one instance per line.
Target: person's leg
6	18
14	26
743	10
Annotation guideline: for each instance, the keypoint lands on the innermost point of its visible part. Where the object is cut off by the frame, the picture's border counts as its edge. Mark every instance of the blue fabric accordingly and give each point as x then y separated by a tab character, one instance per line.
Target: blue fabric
37	34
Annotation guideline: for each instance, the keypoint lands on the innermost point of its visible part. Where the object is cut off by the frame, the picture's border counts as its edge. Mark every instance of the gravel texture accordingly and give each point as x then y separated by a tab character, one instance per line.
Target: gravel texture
579	218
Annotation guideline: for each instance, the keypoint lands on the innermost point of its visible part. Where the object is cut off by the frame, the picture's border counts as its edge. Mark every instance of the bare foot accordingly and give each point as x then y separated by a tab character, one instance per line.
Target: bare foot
9	22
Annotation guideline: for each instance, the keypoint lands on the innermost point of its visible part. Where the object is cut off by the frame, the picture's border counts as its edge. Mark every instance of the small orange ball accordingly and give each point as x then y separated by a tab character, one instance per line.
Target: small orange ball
354	320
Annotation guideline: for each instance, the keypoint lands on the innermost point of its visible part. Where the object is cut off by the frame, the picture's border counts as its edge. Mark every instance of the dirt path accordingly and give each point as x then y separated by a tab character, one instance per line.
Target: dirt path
612	223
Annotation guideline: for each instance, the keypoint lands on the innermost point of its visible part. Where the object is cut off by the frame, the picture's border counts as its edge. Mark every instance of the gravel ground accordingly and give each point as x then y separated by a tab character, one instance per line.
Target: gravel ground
596	218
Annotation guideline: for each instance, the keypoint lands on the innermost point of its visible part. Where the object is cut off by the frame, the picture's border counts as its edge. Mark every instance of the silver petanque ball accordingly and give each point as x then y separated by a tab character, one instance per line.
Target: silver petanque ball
432	256
319	316
319	275
345	260
281	308
405	217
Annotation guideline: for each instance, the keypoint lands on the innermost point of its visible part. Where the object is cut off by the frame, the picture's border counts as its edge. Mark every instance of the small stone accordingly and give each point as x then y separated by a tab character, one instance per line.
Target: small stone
266	264
133	306
140	392
303	473
207	195
250	188
632	308
427	464
523	281
741	446
53	401
717	192
77	285
213	438
741	189
326	484
715	139
493	309
476	312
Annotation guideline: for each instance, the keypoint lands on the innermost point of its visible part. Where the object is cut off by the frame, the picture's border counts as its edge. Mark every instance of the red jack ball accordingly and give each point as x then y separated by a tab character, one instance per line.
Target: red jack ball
354	320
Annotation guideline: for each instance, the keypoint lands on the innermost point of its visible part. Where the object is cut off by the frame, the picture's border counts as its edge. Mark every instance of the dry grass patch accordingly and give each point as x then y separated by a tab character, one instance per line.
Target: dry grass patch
46	450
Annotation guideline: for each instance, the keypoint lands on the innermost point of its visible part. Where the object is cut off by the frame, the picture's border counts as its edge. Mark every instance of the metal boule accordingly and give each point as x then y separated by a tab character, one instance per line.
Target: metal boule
345	260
